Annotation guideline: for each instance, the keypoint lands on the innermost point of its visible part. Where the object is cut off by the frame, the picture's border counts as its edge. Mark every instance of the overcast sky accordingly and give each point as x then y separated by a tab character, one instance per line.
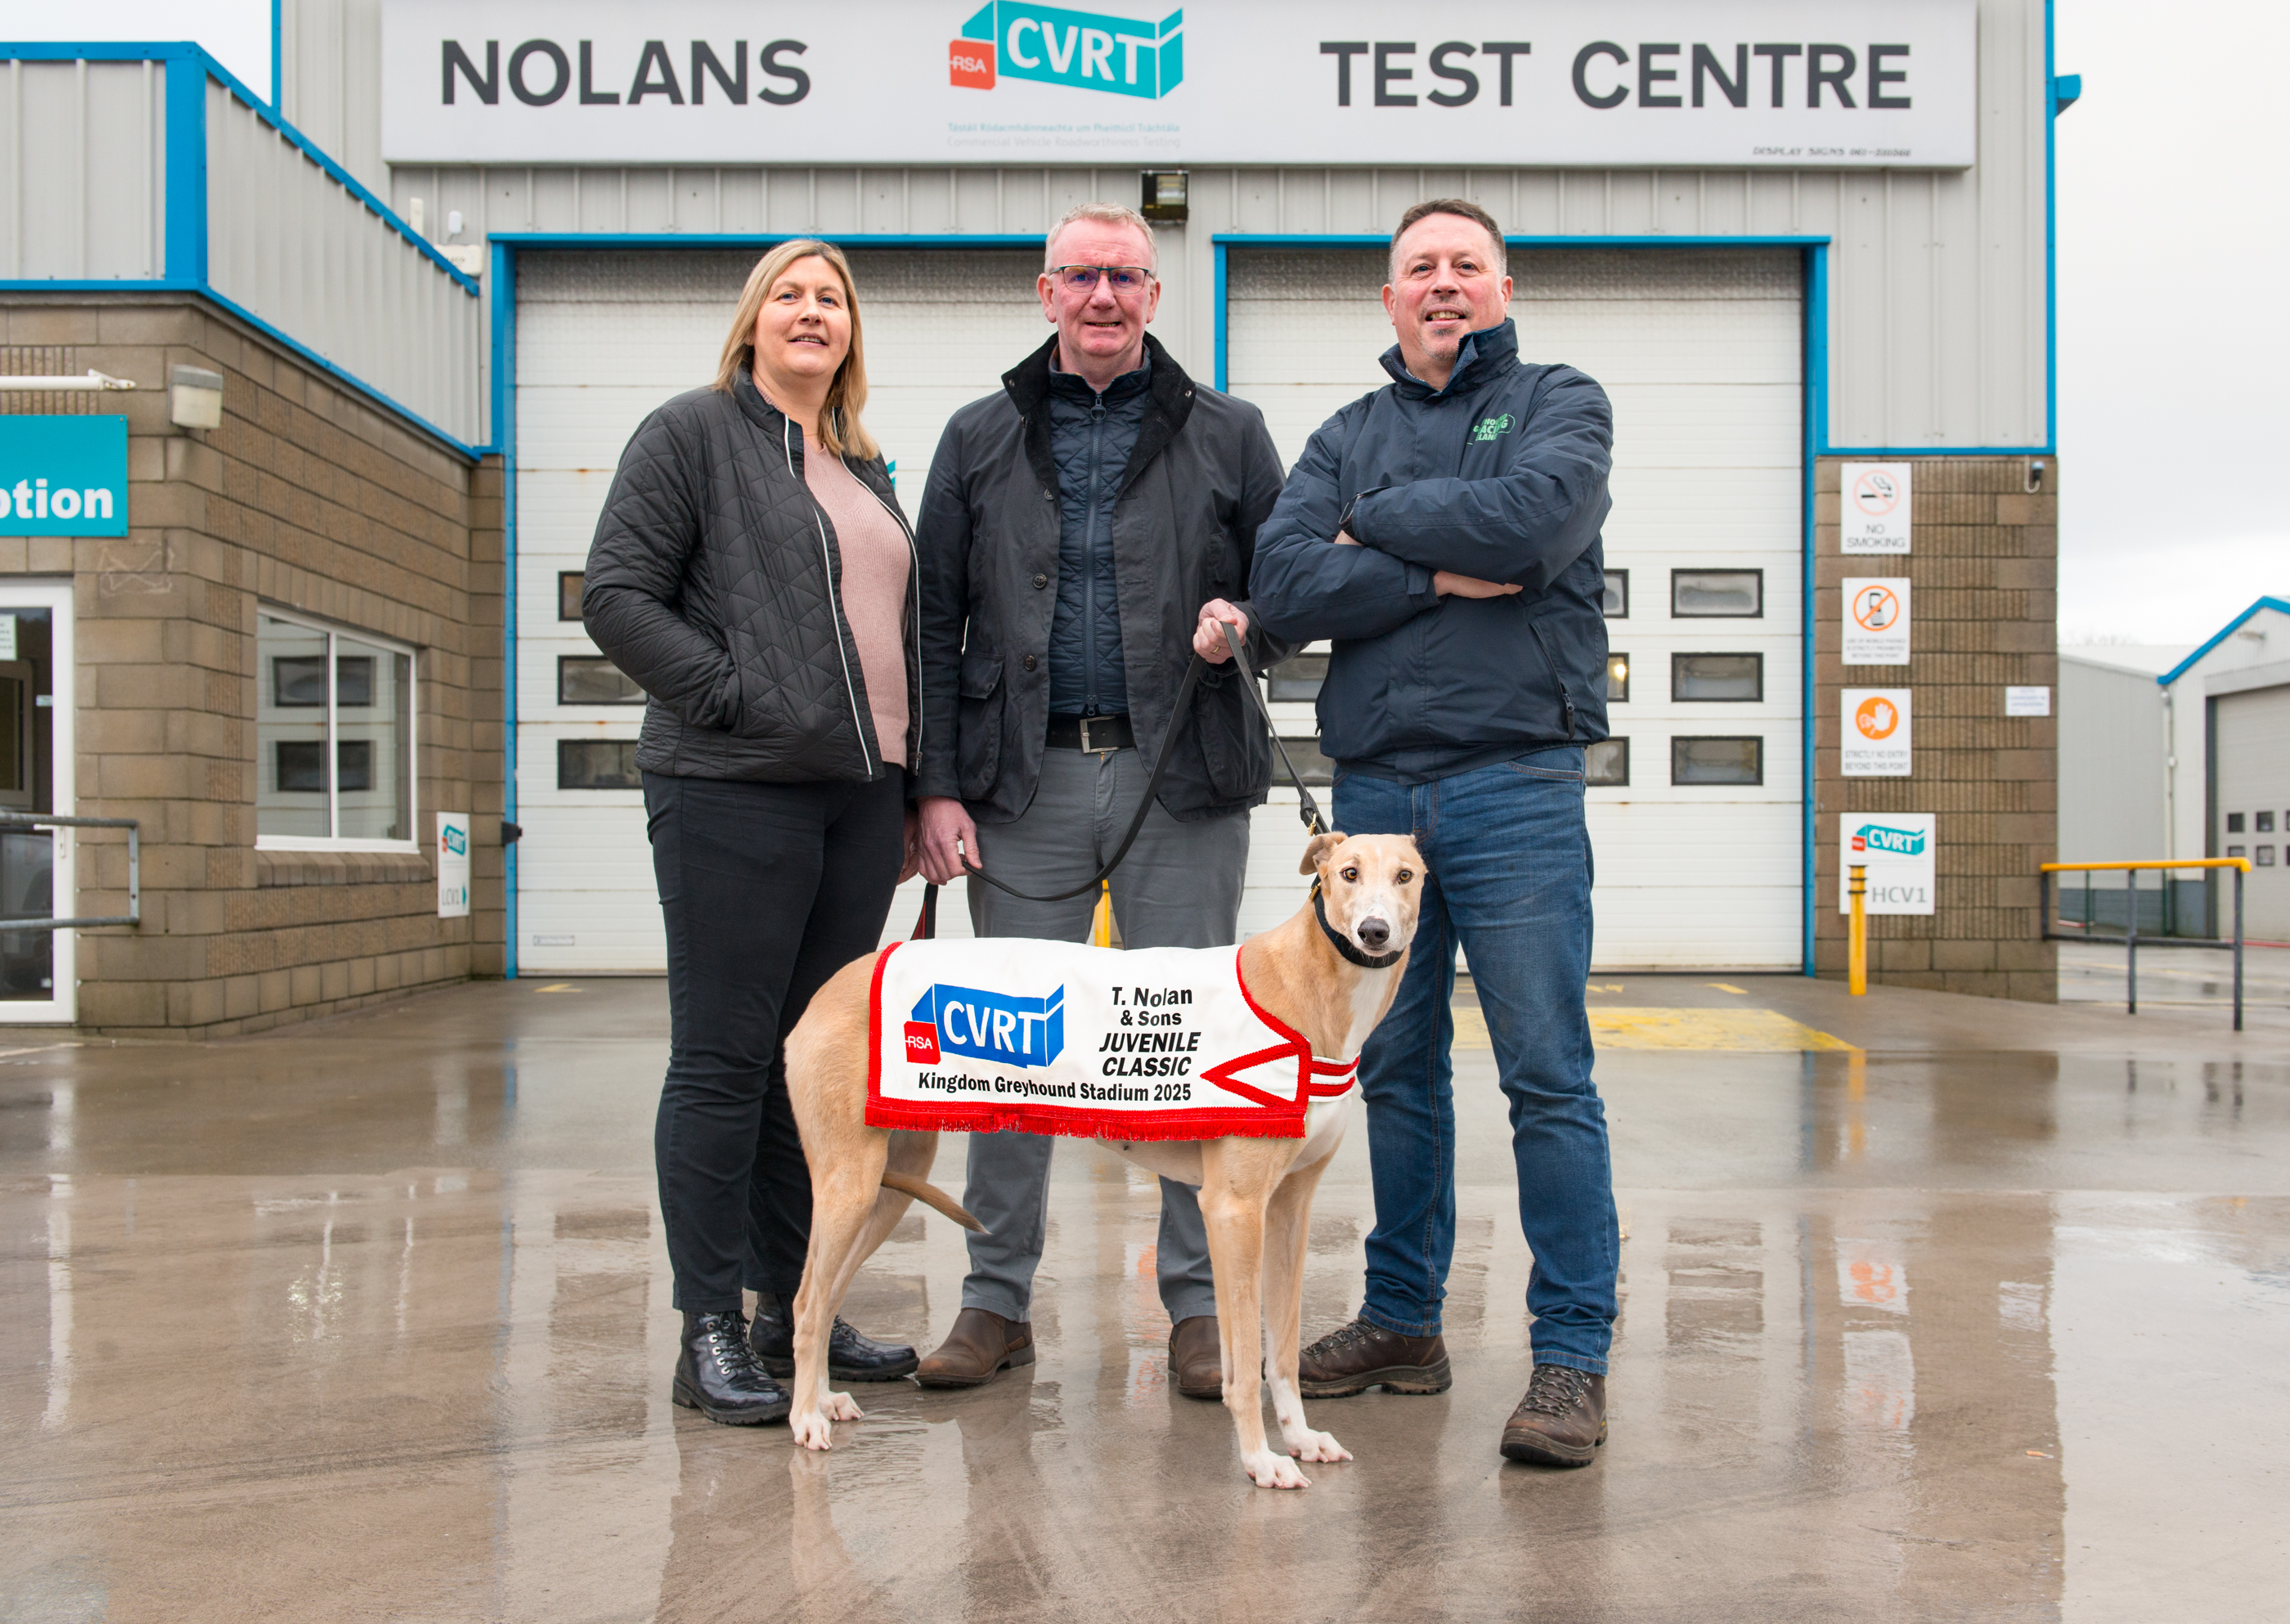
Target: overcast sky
2175	345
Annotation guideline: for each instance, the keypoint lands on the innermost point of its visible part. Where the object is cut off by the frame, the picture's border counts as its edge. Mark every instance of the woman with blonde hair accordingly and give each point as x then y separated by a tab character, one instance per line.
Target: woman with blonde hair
752	571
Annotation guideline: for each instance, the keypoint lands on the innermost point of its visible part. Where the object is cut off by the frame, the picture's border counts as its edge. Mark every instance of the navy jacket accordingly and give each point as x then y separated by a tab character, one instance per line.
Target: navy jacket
1092	437
1502	474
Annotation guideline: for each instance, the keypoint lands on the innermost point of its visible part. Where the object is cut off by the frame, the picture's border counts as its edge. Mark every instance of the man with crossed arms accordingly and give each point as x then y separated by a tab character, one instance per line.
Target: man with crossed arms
1444	532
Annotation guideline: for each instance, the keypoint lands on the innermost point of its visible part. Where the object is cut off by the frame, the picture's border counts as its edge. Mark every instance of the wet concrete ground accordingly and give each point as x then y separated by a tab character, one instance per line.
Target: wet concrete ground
1935	1308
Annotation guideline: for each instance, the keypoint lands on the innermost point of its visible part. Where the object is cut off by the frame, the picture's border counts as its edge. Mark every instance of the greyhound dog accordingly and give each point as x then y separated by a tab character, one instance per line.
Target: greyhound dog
1328	973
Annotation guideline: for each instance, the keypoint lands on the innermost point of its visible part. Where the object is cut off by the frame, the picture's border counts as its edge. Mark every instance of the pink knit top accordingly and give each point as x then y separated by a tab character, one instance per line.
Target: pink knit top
875	568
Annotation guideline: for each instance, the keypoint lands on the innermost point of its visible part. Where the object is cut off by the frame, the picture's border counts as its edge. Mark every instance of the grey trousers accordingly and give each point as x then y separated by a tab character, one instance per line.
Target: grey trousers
1179	887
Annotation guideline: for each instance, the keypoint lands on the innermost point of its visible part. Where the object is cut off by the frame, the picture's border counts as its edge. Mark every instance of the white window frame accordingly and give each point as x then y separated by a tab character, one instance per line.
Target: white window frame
333	633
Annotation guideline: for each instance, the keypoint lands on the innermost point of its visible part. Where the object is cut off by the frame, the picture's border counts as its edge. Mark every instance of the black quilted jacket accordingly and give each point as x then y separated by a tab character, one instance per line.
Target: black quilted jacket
714	582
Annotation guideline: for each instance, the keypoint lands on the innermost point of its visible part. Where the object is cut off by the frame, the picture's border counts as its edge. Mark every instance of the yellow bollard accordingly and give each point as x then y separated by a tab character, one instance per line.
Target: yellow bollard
1859	891
1100	927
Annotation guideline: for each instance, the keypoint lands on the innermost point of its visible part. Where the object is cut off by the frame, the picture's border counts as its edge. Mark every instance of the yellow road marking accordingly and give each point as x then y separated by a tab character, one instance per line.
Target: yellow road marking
1615	1027
1728	987
560	987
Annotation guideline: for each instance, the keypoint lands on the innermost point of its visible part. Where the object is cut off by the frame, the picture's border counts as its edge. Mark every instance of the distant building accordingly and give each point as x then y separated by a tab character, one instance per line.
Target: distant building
2174	753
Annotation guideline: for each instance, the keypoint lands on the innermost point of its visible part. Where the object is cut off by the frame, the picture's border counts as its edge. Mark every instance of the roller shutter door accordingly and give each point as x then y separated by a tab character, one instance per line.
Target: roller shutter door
603	339
2250	742
1701	353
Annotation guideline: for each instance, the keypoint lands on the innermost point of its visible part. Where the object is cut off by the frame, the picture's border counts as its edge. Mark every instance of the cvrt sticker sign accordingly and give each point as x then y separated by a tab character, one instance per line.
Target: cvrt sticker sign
1896	849
1680	83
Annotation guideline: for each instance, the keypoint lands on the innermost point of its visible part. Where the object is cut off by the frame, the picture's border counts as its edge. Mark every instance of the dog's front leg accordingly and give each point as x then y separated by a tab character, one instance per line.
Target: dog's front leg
1238	1175
1287	1226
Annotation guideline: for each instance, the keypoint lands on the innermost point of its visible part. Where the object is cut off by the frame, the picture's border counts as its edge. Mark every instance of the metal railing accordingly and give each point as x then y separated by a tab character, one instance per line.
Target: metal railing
134	914
2130	937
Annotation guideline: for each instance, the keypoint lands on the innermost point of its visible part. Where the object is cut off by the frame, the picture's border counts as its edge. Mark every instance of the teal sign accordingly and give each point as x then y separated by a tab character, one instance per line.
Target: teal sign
1017	39
1898	843
63	476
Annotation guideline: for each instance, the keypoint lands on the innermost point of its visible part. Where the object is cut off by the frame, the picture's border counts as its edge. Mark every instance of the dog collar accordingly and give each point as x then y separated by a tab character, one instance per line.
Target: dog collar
1342	943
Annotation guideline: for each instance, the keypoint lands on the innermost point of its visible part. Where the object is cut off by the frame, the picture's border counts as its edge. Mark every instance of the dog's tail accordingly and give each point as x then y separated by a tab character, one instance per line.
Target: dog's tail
930	1195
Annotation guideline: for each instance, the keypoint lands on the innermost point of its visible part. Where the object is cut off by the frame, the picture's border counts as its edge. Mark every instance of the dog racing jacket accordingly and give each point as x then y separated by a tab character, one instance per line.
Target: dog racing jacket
1049	1037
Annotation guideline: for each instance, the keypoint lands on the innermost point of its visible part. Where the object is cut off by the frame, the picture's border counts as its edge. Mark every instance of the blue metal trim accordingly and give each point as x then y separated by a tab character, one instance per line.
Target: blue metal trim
111	52
460	447
2224	632
504	441
759	239
1816	416
1894	452
1222	385
277	58
186	171
1359	239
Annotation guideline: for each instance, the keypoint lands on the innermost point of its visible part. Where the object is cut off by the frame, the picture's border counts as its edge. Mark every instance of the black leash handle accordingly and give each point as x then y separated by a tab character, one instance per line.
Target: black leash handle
1180	713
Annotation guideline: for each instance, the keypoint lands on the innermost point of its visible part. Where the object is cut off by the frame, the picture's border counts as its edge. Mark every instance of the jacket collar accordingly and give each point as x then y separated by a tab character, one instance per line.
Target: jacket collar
1169	401
1481	355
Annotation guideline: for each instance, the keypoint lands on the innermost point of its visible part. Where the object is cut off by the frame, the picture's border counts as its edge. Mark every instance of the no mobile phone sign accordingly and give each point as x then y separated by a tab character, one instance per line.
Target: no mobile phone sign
1873	509
1875	622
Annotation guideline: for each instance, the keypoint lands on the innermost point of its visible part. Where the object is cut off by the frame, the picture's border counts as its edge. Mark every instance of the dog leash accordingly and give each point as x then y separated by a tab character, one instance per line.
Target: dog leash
1307	809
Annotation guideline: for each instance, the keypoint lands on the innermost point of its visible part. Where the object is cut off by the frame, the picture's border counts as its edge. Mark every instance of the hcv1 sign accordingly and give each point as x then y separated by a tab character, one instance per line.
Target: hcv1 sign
1896	850
63	476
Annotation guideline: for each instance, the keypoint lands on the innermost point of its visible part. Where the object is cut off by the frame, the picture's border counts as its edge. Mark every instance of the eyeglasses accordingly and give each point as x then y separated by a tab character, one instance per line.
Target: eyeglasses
1126	279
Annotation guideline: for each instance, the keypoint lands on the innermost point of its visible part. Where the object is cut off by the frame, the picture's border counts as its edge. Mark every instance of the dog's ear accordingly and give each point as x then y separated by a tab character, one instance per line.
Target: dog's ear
1318	848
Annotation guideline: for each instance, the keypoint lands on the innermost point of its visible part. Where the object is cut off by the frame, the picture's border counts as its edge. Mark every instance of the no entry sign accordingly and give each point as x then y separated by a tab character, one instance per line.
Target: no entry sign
1875	728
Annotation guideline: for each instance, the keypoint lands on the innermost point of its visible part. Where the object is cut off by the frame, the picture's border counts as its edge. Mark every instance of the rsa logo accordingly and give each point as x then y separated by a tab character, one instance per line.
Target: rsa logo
1017	39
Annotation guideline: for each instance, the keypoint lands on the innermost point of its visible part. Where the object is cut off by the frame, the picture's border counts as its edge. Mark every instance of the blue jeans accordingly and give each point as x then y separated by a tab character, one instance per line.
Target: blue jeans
1509	858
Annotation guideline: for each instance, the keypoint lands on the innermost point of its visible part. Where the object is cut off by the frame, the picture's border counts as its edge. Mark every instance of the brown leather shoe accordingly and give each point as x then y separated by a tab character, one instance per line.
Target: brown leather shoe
1358	1356
981	1347
1197	1358
1561	1421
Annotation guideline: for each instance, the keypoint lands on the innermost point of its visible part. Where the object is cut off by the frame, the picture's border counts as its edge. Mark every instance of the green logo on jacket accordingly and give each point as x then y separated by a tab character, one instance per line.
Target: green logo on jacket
1488	428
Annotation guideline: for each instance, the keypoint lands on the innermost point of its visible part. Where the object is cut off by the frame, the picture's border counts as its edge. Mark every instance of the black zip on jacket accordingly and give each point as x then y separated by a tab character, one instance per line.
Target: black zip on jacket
714	582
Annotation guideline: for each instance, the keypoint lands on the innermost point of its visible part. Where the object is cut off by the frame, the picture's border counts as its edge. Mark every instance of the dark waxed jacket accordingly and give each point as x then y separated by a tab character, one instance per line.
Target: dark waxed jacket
1202	477
1501	475
715	581
1091	438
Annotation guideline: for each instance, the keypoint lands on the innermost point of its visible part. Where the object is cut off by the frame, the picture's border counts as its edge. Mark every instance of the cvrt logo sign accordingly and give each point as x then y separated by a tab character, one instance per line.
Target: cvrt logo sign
1898	843
1013	39
986	1026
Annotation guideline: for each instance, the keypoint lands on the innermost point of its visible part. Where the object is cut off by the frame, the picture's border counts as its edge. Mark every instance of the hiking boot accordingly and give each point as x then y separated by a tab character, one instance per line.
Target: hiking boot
850	1356
1561	1421
1358	1356
1197	1358
716	1374
981	1347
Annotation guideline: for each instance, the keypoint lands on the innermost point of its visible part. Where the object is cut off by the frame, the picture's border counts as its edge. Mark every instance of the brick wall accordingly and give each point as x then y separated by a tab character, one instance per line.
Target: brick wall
1982	571
310	497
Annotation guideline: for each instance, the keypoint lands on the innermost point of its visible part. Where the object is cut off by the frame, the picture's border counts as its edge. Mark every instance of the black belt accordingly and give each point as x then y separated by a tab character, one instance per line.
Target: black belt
1092	735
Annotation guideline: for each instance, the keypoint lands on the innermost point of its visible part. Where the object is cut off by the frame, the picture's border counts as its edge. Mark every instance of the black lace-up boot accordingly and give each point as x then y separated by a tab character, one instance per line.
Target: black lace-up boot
1355	1357
1561	1421
851	1356
716	1374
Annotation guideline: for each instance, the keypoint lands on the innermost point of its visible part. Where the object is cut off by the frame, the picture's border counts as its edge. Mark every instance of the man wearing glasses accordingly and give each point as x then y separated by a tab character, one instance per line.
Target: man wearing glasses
1082	533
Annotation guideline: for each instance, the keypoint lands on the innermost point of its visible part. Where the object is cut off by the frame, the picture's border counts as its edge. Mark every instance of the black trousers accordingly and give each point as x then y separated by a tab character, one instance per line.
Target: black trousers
768	890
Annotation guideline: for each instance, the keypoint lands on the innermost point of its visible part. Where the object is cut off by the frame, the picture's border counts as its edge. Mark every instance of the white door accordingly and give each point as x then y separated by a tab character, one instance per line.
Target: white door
38	866
1700	352
603	338
2251	745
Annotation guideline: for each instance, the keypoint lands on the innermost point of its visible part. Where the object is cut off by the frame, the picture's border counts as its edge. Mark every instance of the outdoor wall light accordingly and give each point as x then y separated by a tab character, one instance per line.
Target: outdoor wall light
1164	195
193	398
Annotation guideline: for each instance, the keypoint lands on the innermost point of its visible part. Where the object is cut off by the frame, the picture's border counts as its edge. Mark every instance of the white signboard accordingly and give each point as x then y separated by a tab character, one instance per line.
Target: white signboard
452	865
1873	509
1875	725
1897	848
1875	622
1784	84
2027	701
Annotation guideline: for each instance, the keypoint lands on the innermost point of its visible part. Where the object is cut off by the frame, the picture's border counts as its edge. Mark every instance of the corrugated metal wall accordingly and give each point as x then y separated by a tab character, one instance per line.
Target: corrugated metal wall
1937	300
83	169
2112	764
291	245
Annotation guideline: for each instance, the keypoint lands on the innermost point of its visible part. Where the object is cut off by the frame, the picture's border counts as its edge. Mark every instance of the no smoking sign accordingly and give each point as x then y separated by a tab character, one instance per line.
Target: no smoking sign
1875	622
1873	507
